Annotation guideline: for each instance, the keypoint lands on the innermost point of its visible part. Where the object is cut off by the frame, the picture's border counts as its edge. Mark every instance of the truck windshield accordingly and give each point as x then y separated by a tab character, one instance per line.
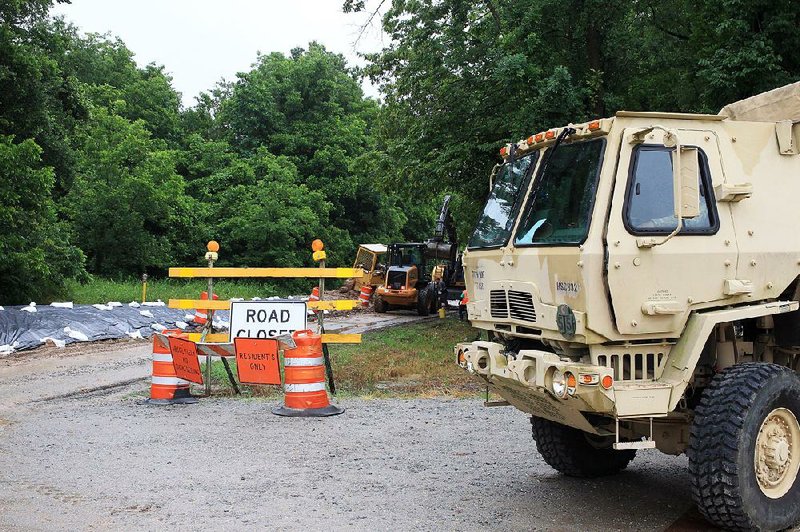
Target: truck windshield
494	225
560	205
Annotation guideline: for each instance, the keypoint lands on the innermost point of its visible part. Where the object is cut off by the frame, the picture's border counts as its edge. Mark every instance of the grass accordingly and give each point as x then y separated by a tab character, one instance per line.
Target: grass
103	290
406	361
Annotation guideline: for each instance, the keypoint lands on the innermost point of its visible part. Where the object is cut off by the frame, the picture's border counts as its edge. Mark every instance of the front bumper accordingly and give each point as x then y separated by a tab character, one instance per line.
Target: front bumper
524	379
405	296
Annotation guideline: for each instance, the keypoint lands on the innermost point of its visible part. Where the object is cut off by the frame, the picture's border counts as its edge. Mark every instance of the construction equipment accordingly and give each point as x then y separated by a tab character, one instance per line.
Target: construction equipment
369	258
414	266
639	278
408	282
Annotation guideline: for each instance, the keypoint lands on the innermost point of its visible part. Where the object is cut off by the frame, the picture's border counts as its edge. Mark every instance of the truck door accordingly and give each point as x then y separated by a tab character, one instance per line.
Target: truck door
654	288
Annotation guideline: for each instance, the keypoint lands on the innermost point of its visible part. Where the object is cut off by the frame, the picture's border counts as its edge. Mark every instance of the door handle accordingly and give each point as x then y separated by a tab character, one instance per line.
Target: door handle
662	308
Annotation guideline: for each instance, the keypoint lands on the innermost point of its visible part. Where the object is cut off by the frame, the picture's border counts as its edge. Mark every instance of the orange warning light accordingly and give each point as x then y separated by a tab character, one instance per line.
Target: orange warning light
212	246
317	245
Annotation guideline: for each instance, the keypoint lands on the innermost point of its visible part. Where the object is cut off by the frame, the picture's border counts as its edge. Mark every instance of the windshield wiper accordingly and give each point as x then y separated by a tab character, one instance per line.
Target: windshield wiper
566	132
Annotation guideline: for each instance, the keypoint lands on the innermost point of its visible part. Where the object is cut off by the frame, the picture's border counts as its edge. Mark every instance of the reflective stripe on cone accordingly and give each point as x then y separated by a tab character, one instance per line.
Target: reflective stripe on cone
303	361
201	314
365	295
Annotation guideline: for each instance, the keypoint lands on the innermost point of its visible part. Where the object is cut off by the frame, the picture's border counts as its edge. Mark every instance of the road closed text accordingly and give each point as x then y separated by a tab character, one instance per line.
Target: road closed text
266	319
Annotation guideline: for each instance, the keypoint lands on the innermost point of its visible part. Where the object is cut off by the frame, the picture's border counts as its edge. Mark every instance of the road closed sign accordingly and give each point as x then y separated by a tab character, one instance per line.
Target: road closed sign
266	319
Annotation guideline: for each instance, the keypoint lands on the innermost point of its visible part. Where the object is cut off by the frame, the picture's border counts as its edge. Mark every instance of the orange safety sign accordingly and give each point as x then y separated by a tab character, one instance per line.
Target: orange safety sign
184	359
257	360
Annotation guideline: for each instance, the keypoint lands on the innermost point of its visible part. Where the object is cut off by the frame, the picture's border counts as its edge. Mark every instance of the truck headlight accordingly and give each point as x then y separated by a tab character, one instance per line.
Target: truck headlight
563	383
558	383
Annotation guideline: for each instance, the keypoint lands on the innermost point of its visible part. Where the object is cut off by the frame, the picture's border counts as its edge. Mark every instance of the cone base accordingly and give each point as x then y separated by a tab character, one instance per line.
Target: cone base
329	410
176	401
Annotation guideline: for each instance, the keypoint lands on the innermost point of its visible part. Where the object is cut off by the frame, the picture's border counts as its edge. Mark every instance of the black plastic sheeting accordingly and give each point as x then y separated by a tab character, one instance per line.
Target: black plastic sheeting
20	329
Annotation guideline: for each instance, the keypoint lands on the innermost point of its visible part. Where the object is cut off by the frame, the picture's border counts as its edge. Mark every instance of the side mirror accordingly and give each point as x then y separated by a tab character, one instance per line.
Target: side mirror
686	180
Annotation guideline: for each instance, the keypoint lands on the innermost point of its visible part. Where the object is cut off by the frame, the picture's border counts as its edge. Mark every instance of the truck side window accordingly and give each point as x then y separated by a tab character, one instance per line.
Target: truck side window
649	206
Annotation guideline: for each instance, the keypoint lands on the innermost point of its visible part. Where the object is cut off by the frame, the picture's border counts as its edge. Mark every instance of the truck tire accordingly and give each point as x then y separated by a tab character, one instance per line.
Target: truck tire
424	304
572	453
380	305
744	448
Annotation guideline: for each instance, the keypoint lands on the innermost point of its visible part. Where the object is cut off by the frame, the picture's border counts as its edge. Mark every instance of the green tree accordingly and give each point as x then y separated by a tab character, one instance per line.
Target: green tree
37	99
107	70
37	255
128	205
309	108
461	78
273	220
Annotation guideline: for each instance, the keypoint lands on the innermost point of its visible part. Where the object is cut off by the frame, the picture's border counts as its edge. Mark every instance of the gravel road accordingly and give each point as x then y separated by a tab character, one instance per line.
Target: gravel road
79	451
105	461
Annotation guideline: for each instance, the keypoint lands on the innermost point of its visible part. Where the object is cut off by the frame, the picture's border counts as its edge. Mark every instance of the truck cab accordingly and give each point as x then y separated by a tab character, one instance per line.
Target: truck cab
626	270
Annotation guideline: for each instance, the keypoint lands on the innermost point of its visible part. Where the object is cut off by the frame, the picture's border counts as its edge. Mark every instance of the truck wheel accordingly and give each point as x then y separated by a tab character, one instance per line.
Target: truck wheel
424	301
575	453
380	305
744	448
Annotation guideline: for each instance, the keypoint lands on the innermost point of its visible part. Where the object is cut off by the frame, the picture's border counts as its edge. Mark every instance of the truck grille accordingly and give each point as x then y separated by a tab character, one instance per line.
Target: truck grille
498	304
634	366
515	304
521	306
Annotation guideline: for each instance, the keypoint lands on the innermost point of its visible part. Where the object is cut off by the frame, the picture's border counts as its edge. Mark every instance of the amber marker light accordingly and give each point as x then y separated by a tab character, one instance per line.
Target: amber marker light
317	245
503	151
550	135
588	379
572	383
212	246
539	137
607	382
531	140
594	125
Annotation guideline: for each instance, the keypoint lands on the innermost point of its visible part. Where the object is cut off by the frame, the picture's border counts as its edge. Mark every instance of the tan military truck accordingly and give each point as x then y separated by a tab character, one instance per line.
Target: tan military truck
639	279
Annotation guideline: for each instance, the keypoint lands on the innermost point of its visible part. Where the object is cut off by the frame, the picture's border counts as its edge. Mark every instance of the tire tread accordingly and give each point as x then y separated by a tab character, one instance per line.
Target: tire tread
714	442
566	450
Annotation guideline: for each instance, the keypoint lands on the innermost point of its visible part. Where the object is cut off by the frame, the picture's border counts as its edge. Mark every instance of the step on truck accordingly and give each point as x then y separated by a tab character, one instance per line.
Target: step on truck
638	278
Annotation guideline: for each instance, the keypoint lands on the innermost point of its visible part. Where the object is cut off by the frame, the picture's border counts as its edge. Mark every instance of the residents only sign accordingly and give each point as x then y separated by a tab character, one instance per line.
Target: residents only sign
266	319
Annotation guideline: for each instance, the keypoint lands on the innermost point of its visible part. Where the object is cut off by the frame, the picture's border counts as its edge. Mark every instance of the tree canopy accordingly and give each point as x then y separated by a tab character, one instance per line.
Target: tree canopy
460	78
104	172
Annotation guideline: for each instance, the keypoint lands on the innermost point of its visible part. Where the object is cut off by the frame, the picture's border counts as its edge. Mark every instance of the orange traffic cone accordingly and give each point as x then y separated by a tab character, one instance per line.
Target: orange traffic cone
365	295
314	294
166	388
201	314
304	379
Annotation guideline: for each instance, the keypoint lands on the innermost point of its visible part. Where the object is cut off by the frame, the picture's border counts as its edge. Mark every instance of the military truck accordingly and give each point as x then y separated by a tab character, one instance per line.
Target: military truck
638	278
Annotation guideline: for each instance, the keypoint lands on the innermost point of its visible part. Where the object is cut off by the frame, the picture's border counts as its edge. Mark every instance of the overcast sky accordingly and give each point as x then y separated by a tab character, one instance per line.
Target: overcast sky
201	41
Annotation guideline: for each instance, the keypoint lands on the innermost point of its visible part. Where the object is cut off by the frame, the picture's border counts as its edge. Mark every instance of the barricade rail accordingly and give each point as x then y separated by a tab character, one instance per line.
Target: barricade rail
209	305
